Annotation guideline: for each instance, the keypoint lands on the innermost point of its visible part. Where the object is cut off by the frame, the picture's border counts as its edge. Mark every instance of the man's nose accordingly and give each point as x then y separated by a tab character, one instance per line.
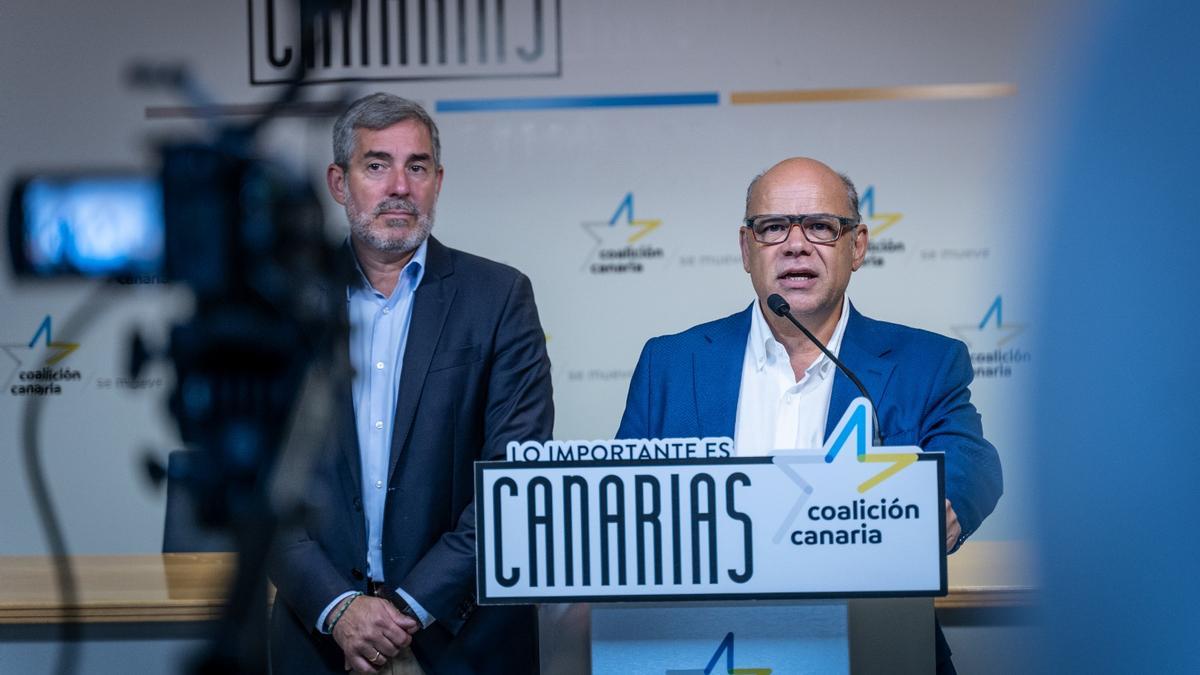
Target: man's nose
796	243
399	183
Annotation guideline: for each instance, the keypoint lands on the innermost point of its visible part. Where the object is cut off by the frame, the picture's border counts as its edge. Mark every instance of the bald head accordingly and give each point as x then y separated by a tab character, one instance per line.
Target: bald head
800	178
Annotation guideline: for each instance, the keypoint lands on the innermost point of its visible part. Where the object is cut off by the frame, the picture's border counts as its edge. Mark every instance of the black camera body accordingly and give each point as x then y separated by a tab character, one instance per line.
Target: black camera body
257	361
248	241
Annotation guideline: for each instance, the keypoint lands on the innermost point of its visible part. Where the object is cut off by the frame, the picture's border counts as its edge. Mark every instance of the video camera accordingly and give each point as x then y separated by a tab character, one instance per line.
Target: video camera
257	360
247	240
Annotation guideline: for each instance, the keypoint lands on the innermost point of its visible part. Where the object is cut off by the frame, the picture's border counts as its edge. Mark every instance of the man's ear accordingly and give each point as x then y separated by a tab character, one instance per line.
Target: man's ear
335	180
744	242
861	239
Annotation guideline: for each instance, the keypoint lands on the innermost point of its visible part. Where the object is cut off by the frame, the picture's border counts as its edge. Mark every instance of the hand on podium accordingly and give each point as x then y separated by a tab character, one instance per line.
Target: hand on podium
953	529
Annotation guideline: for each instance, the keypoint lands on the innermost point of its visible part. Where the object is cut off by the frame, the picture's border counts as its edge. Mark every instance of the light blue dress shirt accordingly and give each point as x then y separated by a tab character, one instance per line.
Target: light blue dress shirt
378	337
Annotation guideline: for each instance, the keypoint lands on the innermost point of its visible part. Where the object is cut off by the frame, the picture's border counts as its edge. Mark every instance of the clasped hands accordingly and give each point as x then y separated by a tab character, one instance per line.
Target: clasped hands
371	632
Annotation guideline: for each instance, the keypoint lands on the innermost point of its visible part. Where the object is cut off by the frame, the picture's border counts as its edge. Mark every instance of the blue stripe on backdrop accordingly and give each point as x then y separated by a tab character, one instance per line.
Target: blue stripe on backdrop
558	102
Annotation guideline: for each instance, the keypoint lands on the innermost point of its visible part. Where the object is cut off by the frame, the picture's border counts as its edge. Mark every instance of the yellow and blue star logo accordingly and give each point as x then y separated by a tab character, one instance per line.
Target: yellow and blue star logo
726	649
879	222
992	332
855	426
621	230
48	353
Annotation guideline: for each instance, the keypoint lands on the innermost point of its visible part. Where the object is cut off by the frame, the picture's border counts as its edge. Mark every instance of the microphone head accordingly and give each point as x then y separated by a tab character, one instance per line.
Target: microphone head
777	304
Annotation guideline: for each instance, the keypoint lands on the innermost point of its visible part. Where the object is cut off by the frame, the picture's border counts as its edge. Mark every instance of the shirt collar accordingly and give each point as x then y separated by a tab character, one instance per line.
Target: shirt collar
415	269
764	347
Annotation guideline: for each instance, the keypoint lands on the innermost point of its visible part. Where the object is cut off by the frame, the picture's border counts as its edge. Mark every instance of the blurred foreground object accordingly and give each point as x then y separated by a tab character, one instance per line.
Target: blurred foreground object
1114	406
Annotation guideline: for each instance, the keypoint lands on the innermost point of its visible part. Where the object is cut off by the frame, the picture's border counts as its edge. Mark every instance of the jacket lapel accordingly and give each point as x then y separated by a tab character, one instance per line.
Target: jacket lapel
717	374
347	433
860	353
431	305
346	426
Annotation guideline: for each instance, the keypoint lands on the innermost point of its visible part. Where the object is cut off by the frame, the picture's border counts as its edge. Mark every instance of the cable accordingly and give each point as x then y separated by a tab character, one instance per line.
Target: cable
70	632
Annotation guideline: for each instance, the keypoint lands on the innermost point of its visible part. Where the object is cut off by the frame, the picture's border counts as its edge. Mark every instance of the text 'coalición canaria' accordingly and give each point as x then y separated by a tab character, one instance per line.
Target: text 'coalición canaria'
857	510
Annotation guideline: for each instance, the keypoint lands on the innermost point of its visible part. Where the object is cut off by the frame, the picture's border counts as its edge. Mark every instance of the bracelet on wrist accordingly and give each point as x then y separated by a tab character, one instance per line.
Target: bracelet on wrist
345	606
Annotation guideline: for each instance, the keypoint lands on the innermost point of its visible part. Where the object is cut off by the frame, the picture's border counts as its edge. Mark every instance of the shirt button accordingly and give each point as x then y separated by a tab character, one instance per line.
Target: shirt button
379	424
387	310
787	399
378	484
379	365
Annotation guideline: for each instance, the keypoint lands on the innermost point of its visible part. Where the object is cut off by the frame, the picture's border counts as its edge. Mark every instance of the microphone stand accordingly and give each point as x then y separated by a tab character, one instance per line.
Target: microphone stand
779	306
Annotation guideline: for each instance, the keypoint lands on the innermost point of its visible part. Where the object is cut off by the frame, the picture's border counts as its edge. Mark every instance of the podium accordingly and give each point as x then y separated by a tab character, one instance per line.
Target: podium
698	561
893	635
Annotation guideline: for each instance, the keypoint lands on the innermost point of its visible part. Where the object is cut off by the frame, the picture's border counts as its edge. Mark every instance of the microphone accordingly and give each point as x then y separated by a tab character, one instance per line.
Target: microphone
779	306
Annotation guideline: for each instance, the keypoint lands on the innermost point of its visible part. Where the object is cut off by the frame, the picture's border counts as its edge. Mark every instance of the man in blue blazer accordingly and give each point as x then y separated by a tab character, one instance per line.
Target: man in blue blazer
450	365
755	377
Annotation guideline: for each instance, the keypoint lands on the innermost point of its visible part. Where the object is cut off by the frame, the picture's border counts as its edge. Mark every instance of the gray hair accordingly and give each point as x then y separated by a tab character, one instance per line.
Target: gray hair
851	193
378	111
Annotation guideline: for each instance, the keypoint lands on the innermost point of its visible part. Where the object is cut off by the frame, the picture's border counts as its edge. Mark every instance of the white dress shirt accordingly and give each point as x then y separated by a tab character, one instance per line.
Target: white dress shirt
775	411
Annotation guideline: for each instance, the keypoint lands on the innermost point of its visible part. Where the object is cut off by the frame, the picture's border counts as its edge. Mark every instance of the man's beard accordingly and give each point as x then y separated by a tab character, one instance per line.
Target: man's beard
410	238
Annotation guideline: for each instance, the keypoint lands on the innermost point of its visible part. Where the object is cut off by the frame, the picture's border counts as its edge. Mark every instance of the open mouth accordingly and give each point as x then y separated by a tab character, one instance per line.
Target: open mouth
798	280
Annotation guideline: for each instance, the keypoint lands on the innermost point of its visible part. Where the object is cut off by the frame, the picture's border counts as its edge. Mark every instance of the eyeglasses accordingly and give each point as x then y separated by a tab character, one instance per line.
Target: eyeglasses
818	228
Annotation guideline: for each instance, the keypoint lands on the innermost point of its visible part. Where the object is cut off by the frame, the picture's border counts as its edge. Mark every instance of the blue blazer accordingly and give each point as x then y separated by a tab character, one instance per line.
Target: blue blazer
687	385
475	377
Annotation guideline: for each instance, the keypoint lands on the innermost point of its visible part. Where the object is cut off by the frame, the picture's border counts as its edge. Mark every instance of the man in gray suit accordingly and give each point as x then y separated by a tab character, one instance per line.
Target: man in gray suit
450	365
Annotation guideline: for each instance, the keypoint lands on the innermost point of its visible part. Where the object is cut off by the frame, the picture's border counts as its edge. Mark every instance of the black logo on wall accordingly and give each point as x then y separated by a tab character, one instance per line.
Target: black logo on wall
406	40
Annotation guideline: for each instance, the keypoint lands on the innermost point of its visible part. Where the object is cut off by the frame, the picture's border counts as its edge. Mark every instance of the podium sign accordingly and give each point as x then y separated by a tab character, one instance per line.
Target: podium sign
849	520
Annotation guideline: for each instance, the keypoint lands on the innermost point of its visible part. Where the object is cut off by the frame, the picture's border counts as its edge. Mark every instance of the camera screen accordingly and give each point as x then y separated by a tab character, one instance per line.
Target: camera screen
98	226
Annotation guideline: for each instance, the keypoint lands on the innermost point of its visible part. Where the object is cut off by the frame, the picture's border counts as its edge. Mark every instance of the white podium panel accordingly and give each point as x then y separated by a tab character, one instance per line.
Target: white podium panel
700	638
846	520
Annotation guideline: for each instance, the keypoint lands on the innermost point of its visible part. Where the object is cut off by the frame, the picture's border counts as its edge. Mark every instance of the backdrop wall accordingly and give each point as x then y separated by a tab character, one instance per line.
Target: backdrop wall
606	155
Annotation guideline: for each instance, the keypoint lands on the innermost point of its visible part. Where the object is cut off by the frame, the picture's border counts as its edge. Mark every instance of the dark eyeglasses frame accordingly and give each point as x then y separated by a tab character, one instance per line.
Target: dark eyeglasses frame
845	223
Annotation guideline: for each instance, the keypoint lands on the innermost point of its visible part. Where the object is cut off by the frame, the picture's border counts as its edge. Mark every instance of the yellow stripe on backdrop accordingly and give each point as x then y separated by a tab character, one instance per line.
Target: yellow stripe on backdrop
896	93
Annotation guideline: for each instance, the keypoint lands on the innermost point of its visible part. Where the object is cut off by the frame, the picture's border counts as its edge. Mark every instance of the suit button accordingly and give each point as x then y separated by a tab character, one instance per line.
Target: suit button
357	574
358	504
